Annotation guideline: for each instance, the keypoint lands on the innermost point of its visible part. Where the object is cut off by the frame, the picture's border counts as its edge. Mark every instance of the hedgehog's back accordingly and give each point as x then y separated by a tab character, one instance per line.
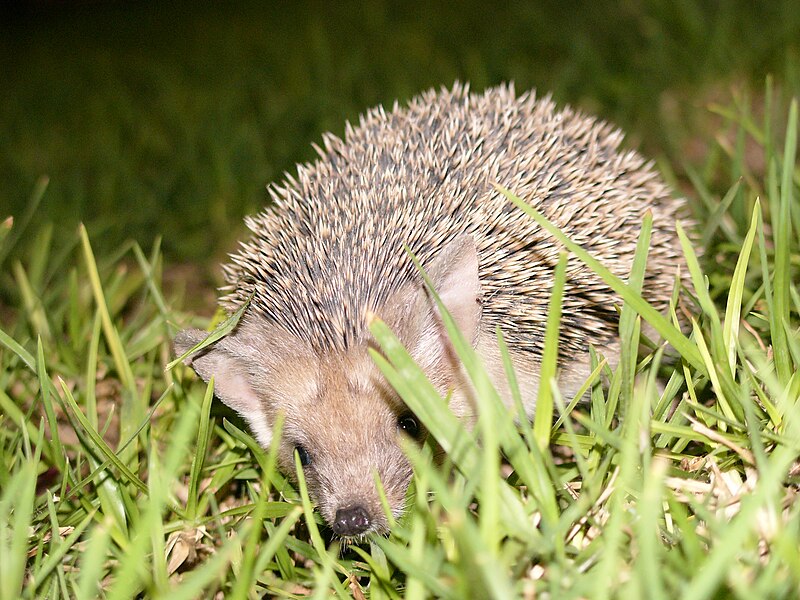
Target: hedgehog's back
331	247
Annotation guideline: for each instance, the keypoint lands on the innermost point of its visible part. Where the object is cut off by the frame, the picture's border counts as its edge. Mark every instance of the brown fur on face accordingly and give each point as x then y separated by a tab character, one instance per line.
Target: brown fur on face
339	412
337	408
349	429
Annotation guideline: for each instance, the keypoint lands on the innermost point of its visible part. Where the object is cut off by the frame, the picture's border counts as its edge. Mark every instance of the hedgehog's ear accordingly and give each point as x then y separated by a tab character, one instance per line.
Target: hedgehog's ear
454	275
230	363
415	317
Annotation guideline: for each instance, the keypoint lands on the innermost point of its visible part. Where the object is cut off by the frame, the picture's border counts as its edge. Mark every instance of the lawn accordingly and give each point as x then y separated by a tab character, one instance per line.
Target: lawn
135	136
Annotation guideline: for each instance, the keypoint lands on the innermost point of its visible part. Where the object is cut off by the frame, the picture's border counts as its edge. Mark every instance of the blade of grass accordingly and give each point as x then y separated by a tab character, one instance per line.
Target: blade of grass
6	225
20	225
45	386
720	218
92	564
203	435
629	322
543	419
701	291
32	303
17	349
149	274
781	226
98	443
112	337
329	566
16	510
220	332
730	330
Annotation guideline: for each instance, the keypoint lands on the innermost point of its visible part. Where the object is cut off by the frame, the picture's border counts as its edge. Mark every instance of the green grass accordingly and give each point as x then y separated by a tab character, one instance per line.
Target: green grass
120	477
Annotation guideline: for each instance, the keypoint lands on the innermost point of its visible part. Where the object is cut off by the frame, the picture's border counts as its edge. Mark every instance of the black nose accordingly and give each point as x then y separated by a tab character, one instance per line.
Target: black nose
352	520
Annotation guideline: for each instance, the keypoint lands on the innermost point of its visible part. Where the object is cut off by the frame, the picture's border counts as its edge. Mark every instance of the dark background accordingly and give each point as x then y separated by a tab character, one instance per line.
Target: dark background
168	119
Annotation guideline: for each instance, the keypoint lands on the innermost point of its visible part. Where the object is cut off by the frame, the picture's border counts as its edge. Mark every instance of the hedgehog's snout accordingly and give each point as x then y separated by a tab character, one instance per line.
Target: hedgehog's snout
348	496
351	521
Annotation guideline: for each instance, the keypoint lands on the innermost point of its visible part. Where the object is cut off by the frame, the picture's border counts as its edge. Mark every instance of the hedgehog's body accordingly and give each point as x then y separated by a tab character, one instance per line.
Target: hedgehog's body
331	252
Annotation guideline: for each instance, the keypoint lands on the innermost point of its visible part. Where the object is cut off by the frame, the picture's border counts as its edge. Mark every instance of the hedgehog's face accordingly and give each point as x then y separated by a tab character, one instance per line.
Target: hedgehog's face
341	418
346	430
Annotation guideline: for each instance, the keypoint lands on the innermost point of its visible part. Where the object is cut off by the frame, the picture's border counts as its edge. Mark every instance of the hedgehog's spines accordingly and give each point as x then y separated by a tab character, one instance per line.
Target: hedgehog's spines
329	250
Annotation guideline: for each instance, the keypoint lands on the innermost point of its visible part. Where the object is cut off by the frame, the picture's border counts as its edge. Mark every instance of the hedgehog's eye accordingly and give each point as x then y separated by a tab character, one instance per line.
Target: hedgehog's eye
305	457
408	424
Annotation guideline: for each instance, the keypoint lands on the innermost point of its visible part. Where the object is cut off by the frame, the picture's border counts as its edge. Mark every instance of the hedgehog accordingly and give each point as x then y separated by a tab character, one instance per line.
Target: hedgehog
333	248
